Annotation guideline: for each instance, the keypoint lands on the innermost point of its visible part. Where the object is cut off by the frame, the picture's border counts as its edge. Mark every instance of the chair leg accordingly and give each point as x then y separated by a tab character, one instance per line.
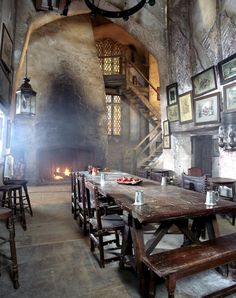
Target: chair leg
22	209
84	223
101	251
117	238
27	199
233	219
11	229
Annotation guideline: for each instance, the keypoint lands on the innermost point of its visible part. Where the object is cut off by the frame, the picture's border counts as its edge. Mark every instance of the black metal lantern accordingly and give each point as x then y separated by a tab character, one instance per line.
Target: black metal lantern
25	97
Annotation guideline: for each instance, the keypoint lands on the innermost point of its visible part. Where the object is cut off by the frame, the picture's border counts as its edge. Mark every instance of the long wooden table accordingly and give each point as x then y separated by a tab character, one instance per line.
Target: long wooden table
165	205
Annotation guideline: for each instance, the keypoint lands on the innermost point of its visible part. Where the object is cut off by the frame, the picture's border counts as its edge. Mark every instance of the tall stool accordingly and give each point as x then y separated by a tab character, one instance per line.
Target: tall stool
6	216
8	174
26	198
12	198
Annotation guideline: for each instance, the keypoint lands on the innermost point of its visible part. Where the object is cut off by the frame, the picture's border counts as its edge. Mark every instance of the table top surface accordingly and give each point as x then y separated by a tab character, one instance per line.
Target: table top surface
161	203
222	180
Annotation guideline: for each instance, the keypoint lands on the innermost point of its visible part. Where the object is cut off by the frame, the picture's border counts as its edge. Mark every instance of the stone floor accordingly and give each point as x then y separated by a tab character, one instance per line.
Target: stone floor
55	261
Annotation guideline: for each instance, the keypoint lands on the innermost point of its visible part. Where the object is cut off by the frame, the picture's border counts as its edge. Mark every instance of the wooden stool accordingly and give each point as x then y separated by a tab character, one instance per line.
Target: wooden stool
12	198
6	215
26	198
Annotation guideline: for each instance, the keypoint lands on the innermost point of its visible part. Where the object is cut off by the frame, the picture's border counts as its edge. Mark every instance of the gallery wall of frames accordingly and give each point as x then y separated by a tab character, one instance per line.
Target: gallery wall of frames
202	105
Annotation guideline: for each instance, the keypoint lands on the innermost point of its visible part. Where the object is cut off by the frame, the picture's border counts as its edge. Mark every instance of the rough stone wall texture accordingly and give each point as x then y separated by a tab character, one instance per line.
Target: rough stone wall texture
201	33
70	100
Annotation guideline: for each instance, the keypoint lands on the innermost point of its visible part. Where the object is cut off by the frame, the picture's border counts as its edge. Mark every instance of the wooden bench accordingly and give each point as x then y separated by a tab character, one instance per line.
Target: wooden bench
184	261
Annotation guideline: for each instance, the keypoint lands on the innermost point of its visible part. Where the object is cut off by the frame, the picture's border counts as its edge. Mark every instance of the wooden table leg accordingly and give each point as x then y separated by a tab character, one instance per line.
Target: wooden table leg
138	245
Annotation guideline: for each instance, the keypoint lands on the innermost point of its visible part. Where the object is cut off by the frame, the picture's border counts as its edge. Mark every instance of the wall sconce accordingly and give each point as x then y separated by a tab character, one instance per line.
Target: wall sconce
25	97
227	131
227	137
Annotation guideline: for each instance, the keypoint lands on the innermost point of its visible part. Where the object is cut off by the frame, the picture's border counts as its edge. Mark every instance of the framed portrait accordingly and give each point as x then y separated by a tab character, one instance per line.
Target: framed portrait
185	107
227	69
172	94
204	82
166	142
230	97
207	109
173	113
166	128
5	88
6	49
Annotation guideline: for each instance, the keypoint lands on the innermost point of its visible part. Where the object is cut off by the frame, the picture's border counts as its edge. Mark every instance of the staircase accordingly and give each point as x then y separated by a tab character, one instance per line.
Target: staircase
150	148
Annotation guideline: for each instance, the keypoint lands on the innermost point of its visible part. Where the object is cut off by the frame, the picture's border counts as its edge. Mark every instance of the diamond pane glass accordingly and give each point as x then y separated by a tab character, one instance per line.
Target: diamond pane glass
109	119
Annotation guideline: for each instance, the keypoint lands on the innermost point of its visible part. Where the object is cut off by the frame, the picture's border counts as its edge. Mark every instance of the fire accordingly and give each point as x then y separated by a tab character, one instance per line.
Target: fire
61	174
67	172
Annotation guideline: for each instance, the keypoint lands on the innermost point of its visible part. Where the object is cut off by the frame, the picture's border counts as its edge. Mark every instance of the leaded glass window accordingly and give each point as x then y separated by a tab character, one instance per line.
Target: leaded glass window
113	107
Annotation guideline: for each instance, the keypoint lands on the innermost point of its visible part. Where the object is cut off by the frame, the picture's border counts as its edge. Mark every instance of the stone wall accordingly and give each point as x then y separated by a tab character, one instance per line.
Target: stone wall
70	112
200	34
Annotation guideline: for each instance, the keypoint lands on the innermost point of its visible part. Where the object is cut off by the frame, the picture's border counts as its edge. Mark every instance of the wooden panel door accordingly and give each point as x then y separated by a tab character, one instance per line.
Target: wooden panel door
202	153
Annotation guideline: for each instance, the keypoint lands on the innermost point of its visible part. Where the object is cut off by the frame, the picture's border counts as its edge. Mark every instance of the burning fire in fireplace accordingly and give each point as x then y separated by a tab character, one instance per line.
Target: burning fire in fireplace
61	174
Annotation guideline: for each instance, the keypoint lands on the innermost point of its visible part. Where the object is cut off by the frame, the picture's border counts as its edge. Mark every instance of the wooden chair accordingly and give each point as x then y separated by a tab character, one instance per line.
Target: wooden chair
195	183
195	171
142	173
6	216
198	184
102	226
82	204
156	176
74	193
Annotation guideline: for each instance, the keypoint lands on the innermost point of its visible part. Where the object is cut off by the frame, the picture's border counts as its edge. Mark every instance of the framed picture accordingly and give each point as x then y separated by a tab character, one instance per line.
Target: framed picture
204	82
166	142
172	94
227	69
6	49
185	107
166	128
173	113
5	88
207	109
230	97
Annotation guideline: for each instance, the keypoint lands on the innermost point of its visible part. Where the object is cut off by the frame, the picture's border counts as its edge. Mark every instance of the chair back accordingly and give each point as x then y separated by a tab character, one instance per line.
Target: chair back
195	183
81	190
142	173
156	176
93	200
195	171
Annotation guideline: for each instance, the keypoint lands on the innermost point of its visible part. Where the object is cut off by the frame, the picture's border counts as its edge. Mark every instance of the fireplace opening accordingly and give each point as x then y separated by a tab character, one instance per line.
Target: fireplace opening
56	164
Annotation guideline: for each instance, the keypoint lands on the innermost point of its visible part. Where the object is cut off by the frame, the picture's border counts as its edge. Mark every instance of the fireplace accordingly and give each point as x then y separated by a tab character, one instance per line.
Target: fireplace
56	164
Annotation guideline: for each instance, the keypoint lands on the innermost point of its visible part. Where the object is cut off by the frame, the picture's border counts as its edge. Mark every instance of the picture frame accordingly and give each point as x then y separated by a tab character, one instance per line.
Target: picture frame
166	142
207	109
172	94
204	82
6	48
5	88
185	107
227	69
173	113
166	128
229	92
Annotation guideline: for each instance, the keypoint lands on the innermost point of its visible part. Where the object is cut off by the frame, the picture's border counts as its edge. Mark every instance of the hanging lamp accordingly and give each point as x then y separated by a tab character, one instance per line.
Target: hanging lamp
25	96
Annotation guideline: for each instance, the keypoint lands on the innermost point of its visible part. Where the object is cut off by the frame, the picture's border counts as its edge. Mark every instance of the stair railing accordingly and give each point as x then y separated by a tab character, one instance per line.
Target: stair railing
131	64
149	146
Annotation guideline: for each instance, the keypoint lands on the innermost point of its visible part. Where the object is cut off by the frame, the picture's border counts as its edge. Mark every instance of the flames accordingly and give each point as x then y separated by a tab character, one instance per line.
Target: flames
61	174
